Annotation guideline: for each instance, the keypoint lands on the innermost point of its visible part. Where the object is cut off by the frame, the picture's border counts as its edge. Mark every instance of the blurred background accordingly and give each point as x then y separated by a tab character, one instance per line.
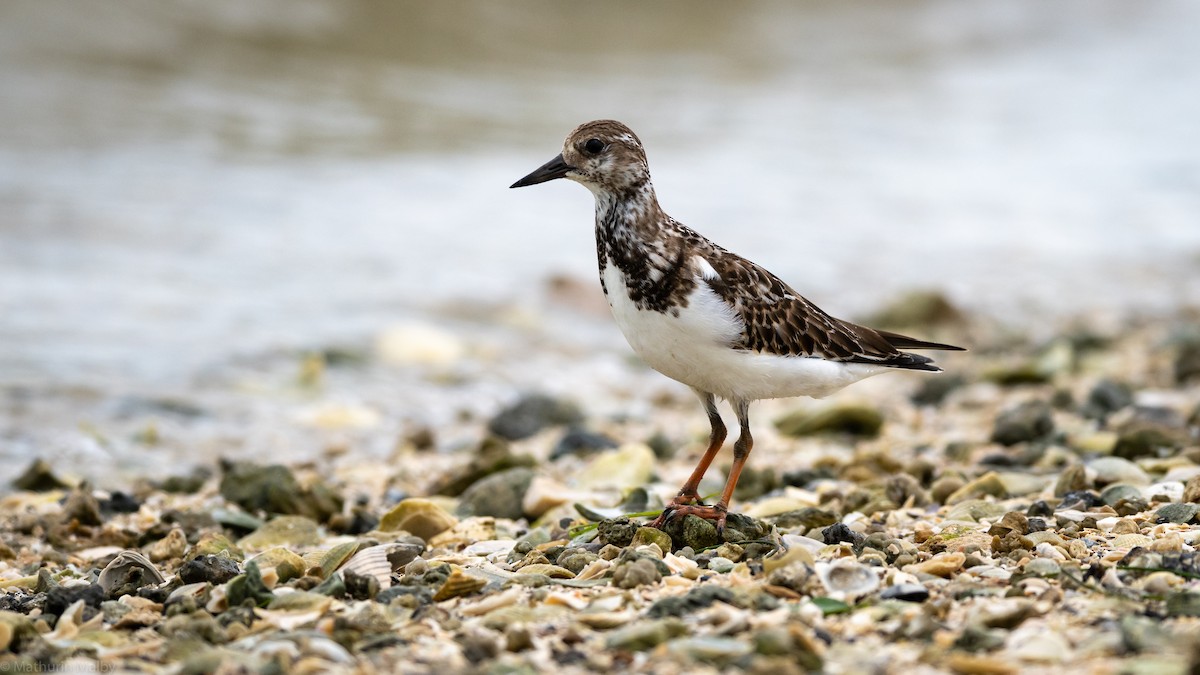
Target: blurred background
203	204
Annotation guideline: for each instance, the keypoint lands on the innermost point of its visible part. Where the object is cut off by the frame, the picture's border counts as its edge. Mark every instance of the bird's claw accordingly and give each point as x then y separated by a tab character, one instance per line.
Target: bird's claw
716	513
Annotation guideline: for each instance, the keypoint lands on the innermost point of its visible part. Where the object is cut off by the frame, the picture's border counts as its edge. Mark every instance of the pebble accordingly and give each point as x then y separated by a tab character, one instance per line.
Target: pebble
532	413
420	517
852	420
500	495
1110	470
1028	421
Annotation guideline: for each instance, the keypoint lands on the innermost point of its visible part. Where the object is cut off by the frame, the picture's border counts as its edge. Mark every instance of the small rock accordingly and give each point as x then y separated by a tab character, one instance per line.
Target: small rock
81	506
854	420
987	485
420	517
1110	470
905	592
500	495
59	598
1191	491
532	413
39	477
1042	567
720	565
933	390
1187	361
174	545
625	468
1072	478
274	489
1105	398
941	565
248	586
635	573
644	635
945	486
1115	494
579	441
1149	433
1177	513
649	535
213	569
718	651
919	308
807	517
282	531
694	600
617	531
1029	421
839	533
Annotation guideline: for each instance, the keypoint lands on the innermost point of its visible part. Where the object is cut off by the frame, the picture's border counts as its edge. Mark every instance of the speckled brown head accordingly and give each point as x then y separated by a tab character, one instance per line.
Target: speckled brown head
603	156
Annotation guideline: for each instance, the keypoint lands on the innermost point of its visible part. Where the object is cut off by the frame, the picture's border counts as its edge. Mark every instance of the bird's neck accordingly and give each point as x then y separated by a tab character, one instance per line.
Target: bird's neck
645	245
628	219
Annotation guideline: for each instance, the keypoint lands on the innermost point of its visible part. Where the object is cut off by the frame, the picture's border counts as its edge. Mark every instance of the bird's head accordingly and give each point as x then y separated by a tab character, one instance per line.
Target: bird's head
604	156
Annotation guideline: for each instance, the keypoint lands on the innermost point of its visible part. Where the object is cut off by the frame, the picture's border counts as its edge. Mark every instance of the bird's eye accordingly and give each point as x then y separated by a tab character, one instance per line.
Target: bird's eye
593	146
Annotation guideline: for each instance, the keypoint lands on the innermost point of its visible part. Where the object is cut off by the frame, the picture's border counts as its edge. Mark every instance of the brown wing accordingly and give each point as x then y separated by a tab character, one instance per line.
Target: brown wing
778	320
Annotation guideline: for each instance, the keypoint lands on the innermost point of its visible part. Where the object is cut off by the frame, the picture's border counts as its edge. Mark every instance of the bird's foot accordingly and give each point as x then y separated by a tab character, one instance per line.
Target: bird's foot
676	509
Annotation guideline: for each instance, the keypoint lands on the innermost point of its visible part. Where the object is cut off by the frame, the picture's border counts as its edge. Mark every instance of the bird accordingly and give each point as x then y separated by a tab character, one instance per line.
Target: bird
706	317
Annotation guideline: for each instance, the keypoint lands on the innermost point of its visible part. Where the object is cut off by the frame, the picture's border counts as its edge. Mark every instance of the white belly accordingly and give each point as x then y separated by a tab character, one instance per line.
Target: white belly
692	347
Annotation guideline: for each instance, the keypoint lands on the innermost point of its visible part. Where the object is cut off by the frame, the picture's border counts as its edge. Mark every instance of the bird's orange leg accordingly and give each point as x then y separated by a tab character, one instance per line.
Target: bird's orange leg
741	451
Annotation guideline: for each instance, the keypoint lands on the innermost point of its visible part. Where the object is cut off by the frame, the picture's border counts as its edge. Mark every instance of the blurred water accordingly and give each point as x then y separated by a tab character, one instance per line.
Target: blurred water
185	182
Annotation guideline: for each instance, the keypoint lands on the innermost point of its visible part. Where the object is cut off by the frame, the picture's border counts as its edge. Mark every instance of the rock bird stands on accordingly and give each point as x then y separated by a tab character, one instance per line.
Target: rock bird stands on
706	317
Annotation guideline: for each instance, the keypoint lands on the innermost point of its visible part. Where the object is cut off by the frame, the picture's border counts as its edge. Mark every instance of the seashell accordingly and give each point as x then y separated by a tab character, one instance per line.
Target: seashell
941	565
459	583
372	562
335	557
118	569
492	602
574	600
1046	537
1131	540
421	517
847	579
489	548
195	590
594	570
783	558
684	567
552	571
287	564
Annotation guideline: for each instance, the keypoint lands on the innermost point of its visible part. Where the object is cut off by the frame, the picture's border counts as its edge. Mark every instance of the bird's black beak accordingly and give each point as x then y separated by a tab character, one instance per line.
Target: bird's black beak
555	168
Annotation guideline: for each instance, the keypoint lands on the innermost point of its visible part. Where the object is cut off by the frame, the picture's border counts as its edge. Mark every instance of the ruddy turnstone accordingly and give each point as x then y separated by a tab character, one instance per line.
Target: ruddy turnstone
706	317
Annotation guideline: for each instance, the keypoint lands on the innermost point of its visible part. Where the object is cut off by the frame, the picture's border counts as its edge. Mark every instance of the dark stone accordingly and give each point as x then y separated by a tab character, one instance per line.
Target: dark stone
905	592
1151	432
531	414
1039	509
493	456
839	533
933	390
1080	499
1107	397
1187	361
214	569
82	507
805	477
1177	513
579	441
188	484
617	531
248	586
39	477
696	599
273	488
741	528
361	586
852	420
59	598
499	495
409	596
1027	421
809	517
120	502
